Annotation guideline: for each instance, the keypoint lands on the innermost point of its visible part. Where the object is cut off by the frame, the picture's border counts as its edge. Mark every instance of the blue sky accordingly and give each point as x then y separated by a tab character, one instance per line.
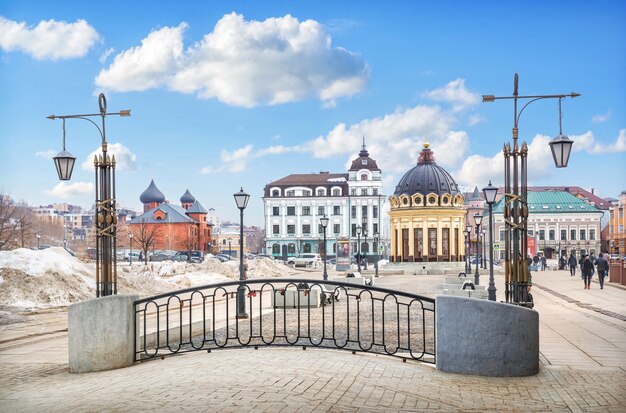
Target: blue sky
231	94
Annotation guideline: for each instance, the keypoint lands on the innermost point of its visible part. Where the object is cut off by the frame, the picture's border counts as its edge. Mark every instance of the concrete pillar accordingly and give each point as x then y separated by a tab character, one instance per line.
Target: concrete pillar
101	333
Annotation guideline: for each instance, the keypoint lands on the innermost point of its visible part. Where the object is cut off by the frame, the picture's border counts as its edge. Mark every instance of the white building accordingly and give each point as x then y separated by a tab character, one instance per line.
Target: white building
294	205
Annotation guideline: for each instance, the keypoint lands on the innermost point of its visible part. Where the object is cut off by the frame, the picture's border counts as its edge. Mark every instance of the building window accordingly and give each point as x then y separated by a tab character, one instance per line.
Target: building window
542	235
275	229
592	234
275	193
563	234
291	248
336	229
353	230
551	235
275	211
363	191
307	247
374	191
353	212
276	249
291	193
306	210
501	236
621	213
320	210
374	211
353	191
291	210
364	213
572	235
363	177
320	192
336	210
320	229
375	228
291	229
583	235
306	229
336	192
306	193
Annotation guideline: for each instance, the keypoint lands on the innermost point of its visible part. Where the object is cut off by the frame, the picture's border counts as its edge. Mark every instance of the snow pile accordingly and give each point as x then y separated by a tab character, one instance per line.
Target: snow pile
39	262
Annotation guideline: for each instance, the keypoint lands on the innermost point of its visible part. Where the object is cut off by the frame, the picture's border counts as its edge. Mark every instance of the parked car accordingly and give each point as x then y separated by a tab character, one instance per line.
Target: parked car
160	256
224	257
194	256
264	256
304	260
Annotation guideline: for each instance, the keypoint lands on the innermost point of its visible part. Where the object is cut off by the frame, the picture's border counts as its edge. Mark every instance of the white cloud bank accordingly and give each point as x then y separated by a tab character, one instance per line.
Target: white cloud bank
242	63
601	118
125	160
455	93
49	40
66	190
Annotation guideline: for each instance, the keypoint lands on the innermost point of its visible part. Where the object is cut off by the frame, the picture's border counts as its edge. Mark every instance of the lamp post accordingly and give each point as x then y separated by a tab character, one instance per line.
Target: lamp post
516	272
477	219
376	239
38	238
324	223
230	254
468	229
366	247
466	251
483	259
358	246
490	193
130	236
105	215
241	199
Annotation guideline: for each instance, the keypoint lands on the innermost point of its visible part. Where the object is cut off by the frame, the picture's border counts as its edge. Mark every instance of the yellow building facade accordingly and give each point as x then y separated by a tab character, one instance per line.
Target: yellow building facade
427	217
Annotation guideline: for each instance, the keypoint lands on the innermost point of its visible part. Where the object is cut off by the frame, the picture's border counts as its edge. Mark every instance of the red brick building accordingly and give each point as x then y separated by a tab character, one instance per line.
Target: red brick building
166	226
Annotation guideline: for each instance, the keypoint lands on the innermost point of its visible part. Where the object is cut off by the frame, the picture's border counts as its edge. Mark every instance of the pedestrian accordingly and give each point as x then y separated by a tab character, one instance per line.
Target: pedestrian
529	262
572	265
543	263
562	263
603	269
535	262
587	270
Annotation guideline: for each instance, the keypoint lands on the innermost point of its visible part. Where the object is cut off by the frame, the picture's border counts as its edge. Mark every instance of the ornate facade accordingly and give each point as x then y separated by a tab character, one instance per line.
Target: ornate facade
427	217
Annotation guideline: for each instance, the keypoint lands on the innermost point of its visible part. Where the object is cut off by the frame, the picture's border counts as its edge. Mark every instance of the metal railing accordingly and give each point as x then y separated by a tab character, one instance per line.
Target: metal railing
294	312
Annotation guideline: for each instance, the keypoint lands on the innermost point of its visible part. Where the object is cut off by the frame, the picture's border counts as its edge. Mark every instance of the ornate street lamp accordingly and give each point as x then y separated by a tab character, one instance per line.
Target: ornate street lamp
561	145
324	223
105	214
516	272
358	243
376	240
130	236
483	259
366	247
241	199
477	219
468	253
490	193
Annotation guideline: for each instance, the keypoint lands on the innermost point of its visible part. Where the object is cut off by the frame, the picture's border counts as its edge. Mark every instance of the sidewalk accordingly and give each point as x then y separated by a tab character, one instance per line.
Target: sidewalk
582	344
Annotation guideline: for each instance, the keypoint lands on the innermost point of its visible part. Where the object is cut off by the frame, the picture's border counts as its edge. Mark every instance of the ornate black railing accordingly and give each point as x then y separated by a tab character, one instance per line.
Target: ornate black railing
294	312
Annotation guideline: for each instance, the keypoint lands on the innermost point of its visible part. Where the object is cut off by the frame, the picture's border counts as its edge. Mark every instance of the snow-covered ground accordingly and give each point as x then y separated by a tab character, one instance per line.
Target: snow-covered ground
35	279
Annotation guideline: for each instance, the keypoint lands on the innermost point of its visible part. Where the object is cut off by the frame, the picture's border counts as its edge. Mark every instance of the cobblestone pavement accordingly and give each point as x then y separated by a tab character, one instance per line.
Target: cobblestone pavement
583	369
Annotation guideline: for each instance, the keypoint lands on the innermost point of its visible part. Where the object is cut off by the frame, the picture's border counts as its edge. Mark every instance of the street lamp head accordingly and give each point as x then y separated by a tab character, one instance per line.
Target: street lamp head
130	235
125	112
478	219
561	147
376	236
490	193
64	162
358	230
484	231
241	198
468	228
489	98
38	236
324	221
365	231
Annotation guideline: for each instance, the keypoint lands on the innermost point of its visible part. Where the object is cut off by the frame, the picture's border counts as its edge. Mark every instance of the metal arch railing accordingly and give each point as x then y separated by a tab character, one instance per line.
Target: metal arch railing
286	312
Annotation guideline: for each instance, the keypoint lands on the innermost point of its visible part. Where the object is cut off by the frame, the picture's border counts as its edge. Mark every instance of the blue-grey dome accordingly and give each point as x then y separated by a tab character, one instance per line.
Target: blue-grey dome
187	198
426	177
152	194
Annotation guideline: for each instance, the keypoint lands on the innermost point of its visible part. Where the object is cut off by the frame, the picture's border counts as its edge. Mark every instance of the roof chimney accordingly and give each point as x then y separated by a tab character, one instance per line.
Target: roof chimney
592	189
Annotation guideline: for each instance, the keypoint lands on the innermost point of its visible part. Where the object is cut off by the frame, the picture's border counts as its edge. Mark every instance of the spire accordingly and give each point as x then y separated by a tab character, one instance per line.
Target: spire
426	155
364	152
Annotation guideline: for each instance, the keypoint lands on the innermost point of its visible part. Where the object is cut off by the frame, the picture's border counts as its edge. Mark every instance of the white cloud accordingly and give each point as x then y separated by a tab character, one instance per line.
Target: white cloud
601	118
66	190
237	160
49	40
105	55
125	160
47	154
475	120
456	93
242	63
588	143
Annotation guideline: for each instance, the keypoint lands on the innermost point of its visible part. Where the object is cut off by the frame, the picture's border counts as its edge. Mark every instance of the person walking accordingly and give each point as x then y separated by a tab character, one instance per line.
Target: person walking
572	265
603	269
543	263
535	262
587	270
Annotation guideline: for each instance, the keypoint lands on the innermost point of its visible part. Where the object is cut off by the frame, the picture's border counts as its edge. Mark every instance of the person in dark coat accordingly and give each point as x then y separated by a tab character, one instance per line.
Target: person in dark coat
581	260
572	265
587	270
562	263
603	269
543	263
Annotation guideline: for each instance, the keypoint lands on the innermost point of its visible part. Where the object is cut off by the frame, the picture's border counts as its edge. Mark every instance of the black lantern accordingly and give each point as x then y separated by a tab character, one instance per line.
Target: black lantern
490	193
561	147
64	162
241	198
478	219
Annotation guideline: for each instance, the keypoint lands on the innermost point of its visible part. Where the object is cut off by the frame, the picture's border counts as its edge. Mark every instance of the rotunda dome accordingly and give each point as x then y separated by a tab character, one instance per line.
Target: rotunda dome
152	194
426	177
187	198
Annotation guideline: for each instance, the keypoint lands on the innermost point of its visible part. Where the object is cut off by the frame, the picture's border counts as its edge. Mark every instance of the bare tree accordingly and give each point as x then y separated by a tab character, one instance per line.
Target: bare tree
146	235
17	223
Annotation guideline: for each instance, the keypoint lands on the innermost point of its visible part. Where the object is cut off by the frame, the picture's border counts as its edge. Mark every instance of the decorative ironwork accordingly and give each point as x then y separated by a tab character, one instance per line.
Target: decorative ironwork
294	312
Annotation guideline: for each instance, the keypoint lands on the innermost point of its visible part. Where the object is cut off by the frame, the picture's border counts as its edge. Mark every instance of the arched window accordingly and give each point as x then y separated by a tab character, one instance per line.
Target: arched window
276	249
320	192
275	193
307	247
363	177
334	247
336	192
291	248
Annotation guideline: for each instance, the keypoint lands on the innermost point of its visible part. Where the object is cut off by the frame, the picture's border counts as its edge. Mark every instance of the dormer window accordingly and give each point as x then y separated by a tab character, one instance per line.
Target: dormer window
363	177
363	161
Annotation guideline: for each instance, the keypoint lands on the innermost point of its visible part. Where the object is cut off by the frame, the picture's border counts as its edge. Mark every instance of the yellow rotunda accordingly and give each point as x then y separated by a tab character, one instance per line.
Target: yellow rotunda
426	214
